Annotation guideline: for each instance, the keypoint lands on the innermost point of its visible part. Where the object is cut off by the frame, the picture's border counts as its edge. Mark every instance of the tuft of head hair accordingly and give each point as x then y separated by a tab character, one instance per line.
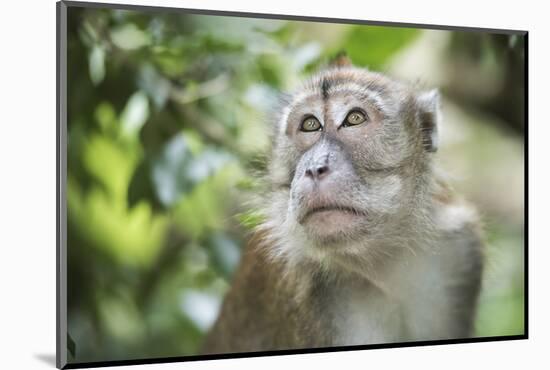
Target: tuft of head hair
341	60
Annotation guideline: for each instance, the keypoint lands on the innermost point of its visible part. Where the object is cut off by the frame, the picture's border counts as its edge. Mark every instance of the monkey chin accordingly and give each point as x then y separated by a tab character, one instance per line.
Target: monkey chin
333	226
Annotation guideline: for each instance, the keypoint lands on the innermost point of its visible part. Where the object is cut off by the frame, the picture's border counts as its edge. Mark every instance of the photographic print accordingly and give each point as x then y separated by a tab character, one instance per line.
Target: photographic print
240	185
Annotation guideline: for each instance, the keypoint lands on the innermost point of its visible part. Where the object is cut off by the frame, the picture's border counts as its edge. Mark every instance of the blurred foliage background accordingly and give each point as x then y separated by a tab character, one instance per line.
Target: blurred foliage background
168	121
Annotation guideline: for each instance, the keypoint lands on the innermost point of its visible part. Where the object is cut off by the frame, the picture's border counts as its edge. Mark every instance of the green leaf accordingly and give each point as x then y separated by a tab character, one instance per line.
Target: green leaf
224	252
129	37
106	117
205	207
373	46
141	187
178	168
134	115
97	64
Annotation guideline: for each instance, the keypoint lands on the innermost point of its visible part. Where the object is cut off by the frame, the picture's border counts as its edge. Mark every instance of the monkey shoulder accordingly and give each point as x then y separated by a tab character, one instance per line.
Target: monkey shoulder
457	223
459	252
262	310
458	228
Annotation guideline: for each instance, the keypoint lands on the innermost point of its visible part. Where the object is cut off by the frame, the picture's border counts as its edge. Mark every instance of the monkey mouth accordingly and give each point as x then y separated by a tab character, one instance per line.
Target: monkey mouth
332	208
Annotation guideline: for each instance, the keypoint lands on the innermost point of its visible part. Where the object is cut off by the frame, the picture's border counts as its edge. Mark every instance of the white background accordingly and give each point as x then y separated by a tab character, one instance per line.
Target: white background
27	183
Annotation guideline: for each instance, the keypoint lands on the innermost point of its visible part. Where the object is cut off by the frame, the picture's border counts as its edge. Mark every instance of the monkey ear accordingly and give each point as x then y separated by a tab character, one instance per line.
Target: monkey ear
428	115
341	60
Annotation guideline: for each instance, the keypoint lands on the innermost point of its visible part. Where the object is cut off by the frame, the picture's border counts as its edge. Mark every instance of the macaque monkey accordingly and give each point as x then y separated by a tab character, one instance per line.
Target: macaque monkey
363	241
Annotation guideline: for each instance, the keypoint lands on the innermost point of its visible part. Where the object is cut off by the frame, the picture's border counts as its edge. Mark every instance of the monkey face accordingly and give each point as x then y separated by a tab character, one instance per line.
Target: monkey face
352	145
332	200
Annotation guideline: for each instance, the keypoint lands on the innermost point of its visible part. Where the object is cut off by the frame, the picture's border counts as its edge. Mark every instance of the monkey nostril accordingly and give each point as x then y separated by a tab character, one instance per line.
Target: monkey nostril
321	170
317	172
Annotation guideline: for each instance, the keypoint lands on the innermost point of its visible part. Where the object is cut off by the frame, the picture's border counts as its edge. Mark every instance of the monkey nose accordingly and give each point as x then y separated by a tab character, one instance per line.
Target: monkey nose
317	172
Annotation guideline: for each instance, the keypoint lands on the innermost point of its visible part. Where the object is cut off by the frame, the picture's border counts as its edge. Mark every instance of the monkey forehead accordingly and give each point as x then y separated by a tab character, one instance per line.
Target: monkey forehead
378	89
333	80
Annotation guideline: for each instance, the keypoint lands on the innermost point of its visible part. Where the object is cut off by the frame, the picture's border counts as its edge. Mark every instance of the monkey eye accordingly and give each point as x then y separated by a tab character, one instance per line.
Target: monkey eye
355	117
310	124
